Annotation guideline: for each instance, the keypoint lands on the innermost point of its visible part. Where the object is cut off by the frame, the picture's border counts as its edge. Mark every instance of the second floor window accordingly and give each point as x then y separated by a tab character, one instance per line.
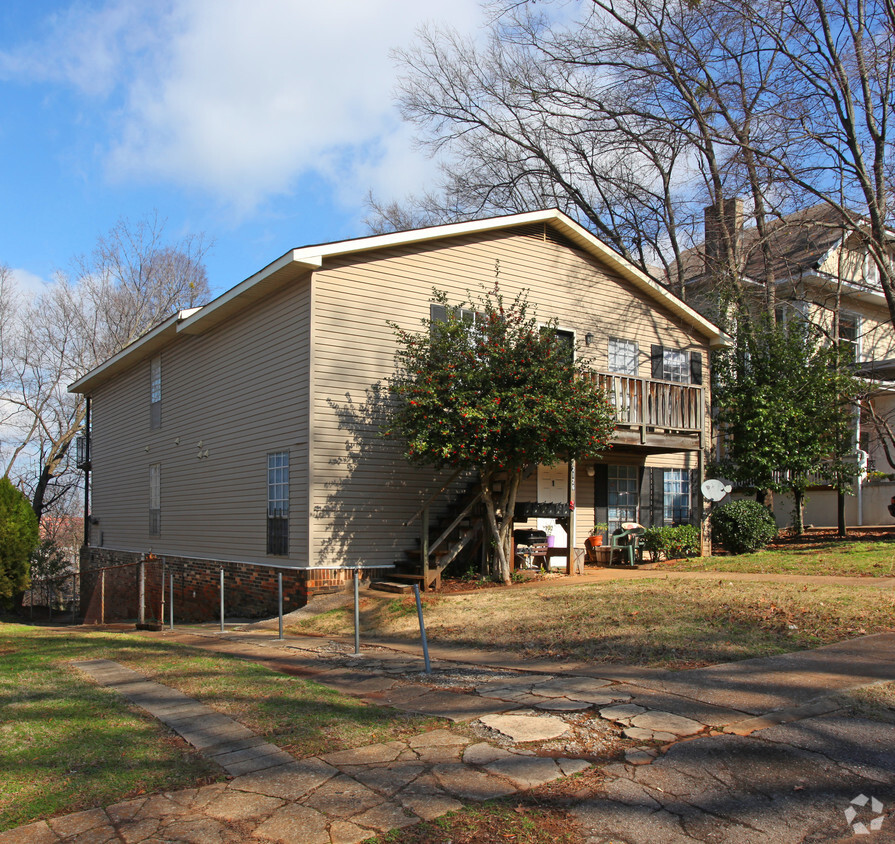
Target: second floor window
676	365
155	392
623	356
850	336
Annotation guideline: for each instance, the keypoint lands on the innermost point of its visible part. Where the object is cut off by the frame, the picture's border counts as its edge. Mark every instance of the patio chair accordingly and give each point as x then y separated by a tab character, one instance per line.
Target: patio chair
626	540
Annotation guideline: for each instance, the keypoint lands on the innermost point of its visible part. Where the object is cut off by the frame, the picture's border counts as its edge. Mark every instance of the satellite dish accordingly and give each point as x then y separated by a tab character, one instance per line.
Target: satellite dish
715	490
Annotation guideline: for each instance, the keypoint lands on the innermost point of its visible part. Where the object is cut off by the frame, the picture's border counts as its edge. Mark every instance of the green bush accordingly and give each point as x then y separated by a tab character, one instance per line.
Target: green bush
18	538
743	526
671	542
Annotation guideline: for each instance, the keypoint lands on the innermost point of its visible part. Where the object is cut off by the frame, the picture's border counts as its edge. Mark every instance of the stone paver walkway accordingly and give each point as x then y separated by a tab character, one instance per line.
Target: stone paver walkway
337	798
234	747
681	725
789	784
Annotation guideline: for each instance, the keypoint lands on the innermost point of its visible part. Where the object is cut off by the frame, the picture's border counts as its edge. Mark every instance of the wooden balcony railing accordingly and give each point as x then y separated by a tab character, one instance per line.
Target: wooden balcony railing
646	403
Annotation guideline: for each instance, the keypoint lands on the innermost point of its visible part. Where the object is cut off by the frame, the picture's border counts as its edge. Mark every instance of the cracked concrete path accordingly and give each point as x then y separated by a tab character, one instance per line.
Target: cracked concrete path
752	751
342	797
767	683
790	783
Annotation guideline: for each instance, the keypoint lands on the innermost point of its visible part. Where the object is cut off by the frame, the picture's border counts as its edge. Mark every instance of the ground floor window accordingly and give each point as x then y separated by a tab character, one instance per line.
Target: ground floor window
155	499
676	510
622	497
278	502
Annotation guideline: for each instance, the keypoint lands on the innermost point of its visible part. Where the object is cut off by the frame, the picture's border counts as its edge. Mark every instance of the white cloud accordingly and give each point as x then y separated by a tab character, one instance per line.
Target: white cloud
88	48
240	98
248	96
28	283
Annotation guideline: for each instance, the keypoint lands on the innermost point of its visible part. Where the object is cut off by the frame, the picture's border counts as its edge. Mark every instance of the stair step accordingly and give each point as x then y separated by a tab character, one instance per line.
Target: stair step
415	555
388	586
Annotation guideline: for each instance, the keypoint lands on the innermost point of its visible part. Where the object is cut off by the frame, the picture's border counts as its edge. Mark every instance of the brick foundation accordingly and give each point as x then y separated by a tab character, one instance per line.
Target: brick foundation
110	587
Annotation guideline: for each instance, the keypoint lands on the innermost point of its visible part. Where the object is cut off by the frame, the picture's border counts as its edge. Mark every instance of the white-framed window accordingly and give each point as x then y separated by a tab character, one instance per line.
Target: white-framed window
870	271
565	339
623	495
676	497
850	334
155	499
278	503
439	313
155	392
792	315
623	356
675	366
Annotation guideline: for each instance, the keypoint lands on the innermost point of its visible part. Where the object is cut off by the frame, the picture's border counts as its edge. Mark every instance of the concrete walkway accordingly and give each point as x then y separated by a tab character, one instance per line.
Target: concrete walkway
749	751
338	798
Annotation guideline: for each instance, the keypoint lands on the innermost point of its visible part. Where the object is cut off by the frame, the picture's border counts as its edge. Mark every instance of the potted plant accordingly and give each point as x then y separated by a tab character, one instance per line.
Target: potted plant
596	534
551	539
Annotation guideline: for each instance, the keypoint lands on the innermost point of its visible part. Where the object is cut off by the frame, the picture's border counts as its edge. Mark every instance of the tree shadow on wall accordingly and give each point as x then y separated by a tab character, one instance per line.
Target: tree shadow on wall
371	491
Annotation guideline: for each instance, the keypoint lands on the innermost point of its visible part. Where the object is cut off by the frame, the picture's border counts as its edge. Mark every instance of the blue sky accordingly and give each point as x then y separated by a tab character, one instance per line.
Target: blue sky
261	123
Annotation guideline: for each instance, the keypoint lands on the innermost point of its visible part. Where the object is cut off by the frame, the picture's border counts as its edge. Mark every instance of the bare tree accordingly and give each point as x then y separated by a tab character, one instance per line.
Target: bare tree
131	281
839	57
635	115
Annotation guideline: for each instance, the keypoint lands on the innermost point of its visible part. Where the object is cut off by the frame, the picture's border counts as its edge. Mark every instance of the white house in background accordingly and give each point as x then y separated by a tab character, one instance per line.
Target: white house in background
821	270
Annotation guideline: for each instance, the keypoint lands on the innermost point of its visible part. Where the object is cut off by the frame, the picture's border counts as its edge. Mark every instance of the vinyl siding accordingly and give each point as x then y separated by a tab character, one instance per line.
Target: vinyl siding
242	391
362	490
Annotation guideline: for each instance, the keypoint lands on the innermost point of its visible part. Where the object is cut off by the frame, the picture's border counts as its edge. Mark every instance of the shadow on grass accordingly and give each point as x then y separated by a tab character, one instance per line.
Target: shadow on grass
654	623
295	710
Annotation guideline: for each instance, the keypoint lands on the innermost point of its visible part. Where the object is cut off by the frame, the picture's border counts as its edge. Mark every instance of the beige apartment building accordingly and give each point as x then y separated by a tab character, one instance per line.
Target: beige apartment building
245	435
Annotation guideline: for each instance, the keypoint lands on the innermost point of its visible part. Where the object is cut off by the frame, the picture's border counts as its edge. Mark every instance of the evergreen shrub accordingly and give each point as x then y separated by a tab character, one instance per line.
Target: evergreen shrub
743	526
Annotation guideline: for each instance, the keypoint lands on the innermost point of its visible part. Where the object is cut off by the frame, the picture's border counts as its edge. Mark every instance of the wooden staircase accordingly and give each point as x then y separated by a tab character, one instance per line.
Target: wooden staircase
462	529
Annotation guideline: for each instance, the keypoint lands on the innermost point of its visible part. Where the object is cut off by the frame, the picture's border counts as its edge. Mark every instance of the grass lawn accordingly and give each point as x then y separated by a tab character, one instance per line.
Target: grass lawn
848	558
876	702
66	744
652	622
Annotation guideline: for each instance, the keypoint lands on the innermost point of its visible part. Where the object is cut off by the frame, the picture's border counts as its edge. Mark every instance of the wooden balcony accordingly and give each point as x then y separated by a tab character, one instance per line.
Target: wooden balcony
660	415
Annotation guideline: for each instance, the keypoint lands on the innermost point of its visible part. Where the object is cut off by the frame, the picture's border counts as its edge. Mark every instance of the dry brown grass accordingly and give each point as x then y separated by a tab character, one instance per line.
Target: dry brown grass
653	622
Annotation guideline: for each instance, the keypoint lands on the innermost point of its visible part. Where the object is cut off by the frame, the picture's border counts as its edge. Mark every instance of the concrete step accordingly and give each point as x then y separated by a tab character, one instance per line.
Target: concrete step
389	586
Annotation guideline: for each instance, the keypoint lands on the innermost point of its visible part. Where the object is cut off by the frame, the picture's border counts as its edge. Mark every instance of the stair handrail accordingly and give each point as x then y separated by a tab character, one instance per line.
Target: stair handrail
432	497
447	532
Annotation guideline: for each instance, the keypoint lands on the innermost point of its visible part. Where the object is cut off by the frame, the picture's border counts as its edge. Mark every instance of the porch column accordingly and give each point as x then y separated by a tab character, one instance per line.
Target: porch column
570	558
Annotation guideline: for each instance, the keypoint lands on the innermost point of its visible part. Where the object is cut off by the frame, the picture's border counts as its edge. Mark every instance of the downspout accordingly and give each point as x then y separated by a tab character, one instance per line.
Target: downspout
87	475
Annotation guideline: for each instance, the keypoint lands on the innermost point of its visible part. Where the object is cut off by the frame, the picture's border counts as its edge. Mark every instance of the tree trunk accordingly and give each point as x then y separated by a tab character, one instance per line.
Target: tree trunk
502	529
798	498
501	566
840	512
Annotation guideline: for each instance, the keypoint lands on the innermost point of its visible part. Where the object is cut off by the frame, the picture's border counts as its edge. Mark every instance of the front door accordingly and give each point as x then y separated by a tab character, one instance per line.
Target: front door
553	488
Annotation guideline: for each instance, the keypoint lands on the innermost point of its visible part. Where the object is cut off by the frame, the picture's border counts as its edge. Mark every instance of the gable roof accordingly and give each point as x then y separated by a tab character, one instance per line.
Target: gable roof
799	243
297	262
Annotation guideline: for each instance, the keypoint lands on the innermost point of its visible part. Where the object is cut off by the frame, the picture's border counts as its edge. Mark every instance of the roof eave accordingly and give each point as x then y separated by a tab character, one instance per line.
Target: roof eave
150	342
297	262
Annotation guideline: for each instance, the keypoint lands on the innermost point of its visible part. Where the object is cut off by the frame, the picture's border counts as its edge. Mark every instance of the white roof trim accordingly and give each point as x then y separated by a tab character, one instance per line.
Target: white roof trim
163	328
312	257
311	262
